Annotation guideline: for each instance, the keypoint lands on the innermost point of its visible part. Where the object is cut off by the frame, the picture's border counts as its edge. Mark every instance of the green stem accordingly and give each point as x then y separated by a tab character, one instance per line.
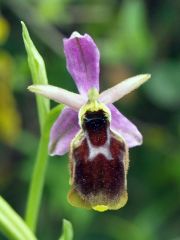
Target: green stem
12	225
37	182
38	177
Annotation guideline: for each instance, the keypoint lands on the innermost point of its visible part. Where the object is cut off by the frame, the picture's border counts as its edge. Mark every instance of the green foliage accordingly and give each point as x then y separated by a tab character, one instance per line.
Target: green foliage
54	10
131	39
38	71
67	231
12	225
164	89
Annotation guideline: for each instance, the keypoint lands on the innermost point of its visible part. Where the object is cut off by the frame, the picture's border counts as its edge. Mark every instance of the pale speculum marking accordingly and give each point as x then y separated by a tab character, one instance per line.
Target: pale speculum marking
104	149
97	133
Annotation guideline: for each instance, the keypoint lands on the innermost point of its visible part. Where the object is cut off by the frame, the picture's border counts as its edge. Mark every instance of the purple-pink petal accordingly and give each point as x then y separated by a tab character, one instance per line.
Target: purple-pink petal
82	59
120	124
63	131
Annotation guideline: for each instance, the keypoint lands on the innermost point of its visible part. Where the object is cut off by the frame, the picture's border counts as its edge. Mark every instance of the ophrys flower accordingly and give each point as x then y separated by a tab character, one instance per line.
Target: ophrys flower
93	131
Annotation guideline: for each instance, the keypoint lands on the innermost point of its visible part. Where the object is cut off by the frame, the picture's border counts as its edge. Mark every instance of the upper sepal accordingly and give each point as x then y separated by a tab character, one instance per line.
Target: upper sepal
82	59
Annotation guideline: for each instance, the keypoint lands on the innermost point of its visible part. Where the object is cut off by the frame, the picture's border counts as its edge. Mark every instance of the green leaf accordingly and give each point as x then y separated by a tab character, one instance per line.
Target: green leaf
67	231
12	225
38	72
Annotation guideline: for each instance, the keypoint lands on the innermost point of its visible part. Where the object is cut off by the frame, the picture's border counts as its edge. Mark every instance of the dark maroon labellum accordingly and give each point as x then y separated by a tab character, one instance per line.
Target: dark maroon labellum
99	162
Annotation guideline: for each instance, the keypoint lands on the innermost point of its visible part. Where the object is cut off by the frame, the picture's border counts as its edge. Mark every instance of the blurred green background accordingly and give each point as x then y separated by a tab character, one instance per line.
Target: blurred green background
133	37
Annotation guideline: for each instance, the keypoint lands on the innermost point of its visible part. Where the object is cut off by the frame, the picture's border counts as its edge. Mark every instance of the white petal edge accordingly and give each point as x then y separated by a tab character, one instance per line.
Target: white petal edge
75	35
72	100
118	91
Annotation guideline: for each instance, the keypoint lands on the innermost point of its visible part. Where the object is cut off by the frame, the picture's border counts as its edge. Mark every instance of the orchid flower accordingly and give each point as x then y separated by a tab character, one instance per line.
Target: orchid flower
93	131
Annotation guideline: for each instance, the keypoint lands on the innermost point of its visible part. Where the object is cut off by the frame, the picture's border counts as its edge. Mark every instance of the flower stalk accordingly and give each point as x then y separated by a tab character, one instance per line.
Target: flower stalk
38	176
37	183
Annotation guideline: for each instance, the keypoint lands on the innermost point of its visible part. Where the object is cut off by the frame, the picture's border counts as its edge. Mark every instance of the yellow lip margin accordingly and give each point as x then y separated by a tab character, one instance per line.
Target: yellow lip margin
100	208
